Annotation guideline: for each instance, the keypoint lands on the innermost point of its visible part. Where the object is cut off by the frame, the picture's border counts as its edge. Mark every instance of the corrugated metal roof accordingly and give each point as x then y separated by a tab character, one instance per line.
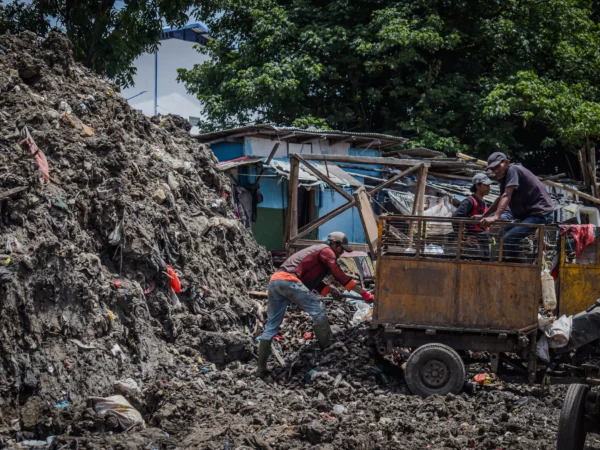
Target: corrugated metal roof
334	173
199	28
243	161
373	140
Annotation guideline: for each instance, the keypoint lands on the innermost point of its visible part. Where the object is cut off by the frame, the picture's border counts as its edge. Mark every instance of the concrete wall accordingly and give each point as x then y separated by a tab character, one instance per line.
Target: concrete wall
172	96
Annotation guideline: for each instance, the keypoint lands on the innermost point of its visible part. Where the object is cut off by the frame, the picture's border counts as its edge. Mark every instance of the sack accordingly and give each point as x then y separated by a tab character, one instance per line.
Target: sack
126	414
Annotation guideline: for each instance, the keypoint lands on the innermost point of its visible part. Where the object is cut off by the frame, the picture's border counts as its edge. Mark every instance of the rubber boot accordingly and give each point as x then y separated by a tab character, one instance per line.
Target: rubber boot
264	350
323	333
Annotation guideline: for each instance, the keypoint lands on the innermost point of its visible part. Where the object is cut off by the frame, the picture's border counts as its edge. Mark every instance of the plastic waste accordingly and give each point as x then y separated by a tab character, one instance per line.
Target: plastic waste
116	351
314	374
548	290
175	283
338	410
560	332
174	298
114	238
127	387
126	414
364	313
432	249
542	349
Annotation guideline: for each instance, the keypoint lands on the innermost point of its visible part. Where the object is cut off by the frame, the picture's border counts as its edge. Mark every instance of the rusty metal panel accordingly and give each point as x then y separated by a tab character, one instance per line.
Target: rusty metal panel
579	287
498	296
415	291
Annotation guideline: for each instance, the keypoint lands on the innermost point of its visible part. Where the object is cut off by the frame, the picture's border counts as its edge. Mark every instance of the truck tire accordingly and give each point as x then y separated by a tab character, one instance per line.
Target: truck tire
571	425
434	369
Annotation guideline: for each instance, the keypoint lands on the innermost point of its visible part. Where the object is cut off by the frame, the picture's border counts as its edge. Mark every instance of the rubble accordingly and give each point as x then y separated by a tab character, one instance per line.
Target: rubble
108	289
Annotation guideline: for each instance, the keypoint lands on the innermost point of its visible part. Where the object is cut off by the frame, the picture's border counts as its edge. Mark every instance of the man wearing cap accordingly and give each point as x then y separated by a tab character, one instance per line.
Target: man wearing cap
524	193
478	239
295	281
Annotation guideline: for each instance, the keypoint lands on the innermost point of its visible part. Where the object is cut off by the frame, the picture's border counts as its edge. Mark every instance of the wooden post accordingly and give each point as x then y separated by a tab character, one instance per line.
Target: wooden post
419	203
292	216
325	178
317	223
572	190
368	218
267	162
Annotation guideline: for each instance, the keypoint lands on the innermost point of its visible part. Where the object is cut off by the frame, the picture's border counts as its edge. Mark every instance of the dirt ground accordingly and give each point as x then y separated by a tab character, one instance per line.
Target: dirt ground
86	303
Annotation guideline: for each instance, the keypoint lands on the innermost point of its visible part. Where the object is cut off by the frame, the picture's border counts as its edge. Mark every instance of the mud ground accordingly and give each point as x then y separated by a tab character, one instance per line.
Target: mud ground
85	303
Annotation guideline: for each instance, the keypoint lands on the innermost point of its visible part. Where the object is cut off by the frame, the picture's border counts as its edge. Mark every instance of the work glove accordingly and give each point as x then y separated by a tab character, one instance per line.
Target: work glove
335	294
367	297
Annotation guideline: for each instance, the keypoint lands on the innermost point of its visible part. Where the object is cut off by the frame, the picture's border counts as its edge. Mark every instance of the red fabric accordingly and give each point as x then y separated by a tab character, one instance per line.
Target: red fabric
38	157
313	264
175	283
284	276
582	234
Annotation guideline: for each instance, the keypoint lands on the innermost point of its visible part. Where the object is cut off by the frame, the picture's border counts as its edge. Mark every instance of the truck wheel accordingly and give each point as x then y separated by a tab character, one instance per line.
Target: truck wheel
571	425
434	369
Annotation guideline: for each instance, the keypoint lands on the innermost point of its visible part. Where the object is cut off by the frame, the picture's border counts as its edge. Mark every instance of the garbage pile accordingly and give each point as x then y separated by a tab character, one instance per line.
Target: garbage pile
117	239
125	315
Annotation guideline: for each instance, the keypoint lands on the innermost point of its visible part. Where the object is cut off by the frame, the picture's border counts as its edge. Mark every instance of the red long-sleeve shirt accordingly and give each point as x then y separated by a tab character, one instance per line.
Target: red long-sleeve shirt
310	266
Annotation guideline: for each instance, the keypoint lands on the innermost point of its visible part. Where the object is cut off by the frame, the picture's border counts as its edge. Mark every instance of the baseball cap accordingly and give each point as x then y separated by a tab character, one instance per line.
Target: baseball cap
495	159
338	236
481	178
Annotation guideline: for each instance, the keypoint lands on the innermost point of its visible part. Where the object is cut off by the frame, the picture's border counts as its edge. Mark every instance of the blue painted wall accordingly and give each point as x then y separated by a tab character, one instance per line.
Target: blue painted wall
226	151
348	222
365	152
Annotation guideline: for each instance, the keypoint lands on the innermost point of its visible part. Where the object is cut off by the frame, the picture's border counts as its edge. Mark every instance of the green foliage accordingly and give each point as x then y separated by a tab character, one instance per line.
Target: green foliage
447	73
107	37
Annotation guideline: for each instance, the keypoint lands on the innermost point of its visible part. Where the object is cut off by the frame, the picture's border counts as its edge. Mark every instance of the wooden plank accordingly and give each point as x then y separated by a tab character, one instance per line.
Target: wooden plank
395	178
451	177
12	192
571	190
418	205
303	243
472	159
368	219
268	161
291	230
392	162
317	223
324	178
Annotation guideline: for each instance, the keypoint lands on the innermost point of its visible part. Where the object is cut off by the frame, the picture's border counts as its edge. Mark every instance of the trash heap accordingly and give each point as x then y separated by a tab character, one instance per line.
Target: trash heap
125	315
117	239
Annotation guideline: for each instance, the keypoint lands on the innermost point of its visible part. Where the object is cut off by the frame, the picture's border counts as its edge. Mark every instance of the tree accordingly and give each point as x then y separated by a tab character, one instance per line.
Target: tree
427	69
107	35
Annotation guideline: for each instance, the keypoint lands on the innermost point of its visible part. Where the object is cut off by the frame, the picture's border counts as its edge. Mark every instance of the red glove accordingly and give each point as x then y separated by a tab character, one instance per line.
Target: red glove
367	297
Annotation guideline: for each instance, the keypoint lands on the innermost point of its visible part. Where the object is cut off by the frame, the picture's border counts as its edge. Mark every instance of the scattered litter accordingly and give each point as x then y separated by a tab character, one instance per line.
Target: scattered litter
81	345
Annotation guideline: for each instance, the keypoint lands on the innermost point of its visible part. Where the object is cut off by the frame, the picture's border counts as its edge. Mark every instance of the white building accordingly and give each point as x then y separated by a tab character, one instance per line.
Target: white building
156	90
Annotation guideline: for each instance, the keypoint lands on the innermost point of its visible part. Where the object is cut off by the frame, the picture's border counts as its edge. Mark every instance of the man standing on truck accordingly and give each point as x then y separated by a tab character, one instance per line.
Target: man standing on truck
478	238
524	193
295	281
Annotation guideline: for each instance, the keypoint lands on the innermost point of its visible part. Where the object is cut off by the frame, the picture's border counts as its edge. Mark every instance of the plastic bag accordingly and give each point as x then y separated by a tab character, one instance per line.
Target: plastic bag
560	332
542	349
364	313
128	387
126	414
